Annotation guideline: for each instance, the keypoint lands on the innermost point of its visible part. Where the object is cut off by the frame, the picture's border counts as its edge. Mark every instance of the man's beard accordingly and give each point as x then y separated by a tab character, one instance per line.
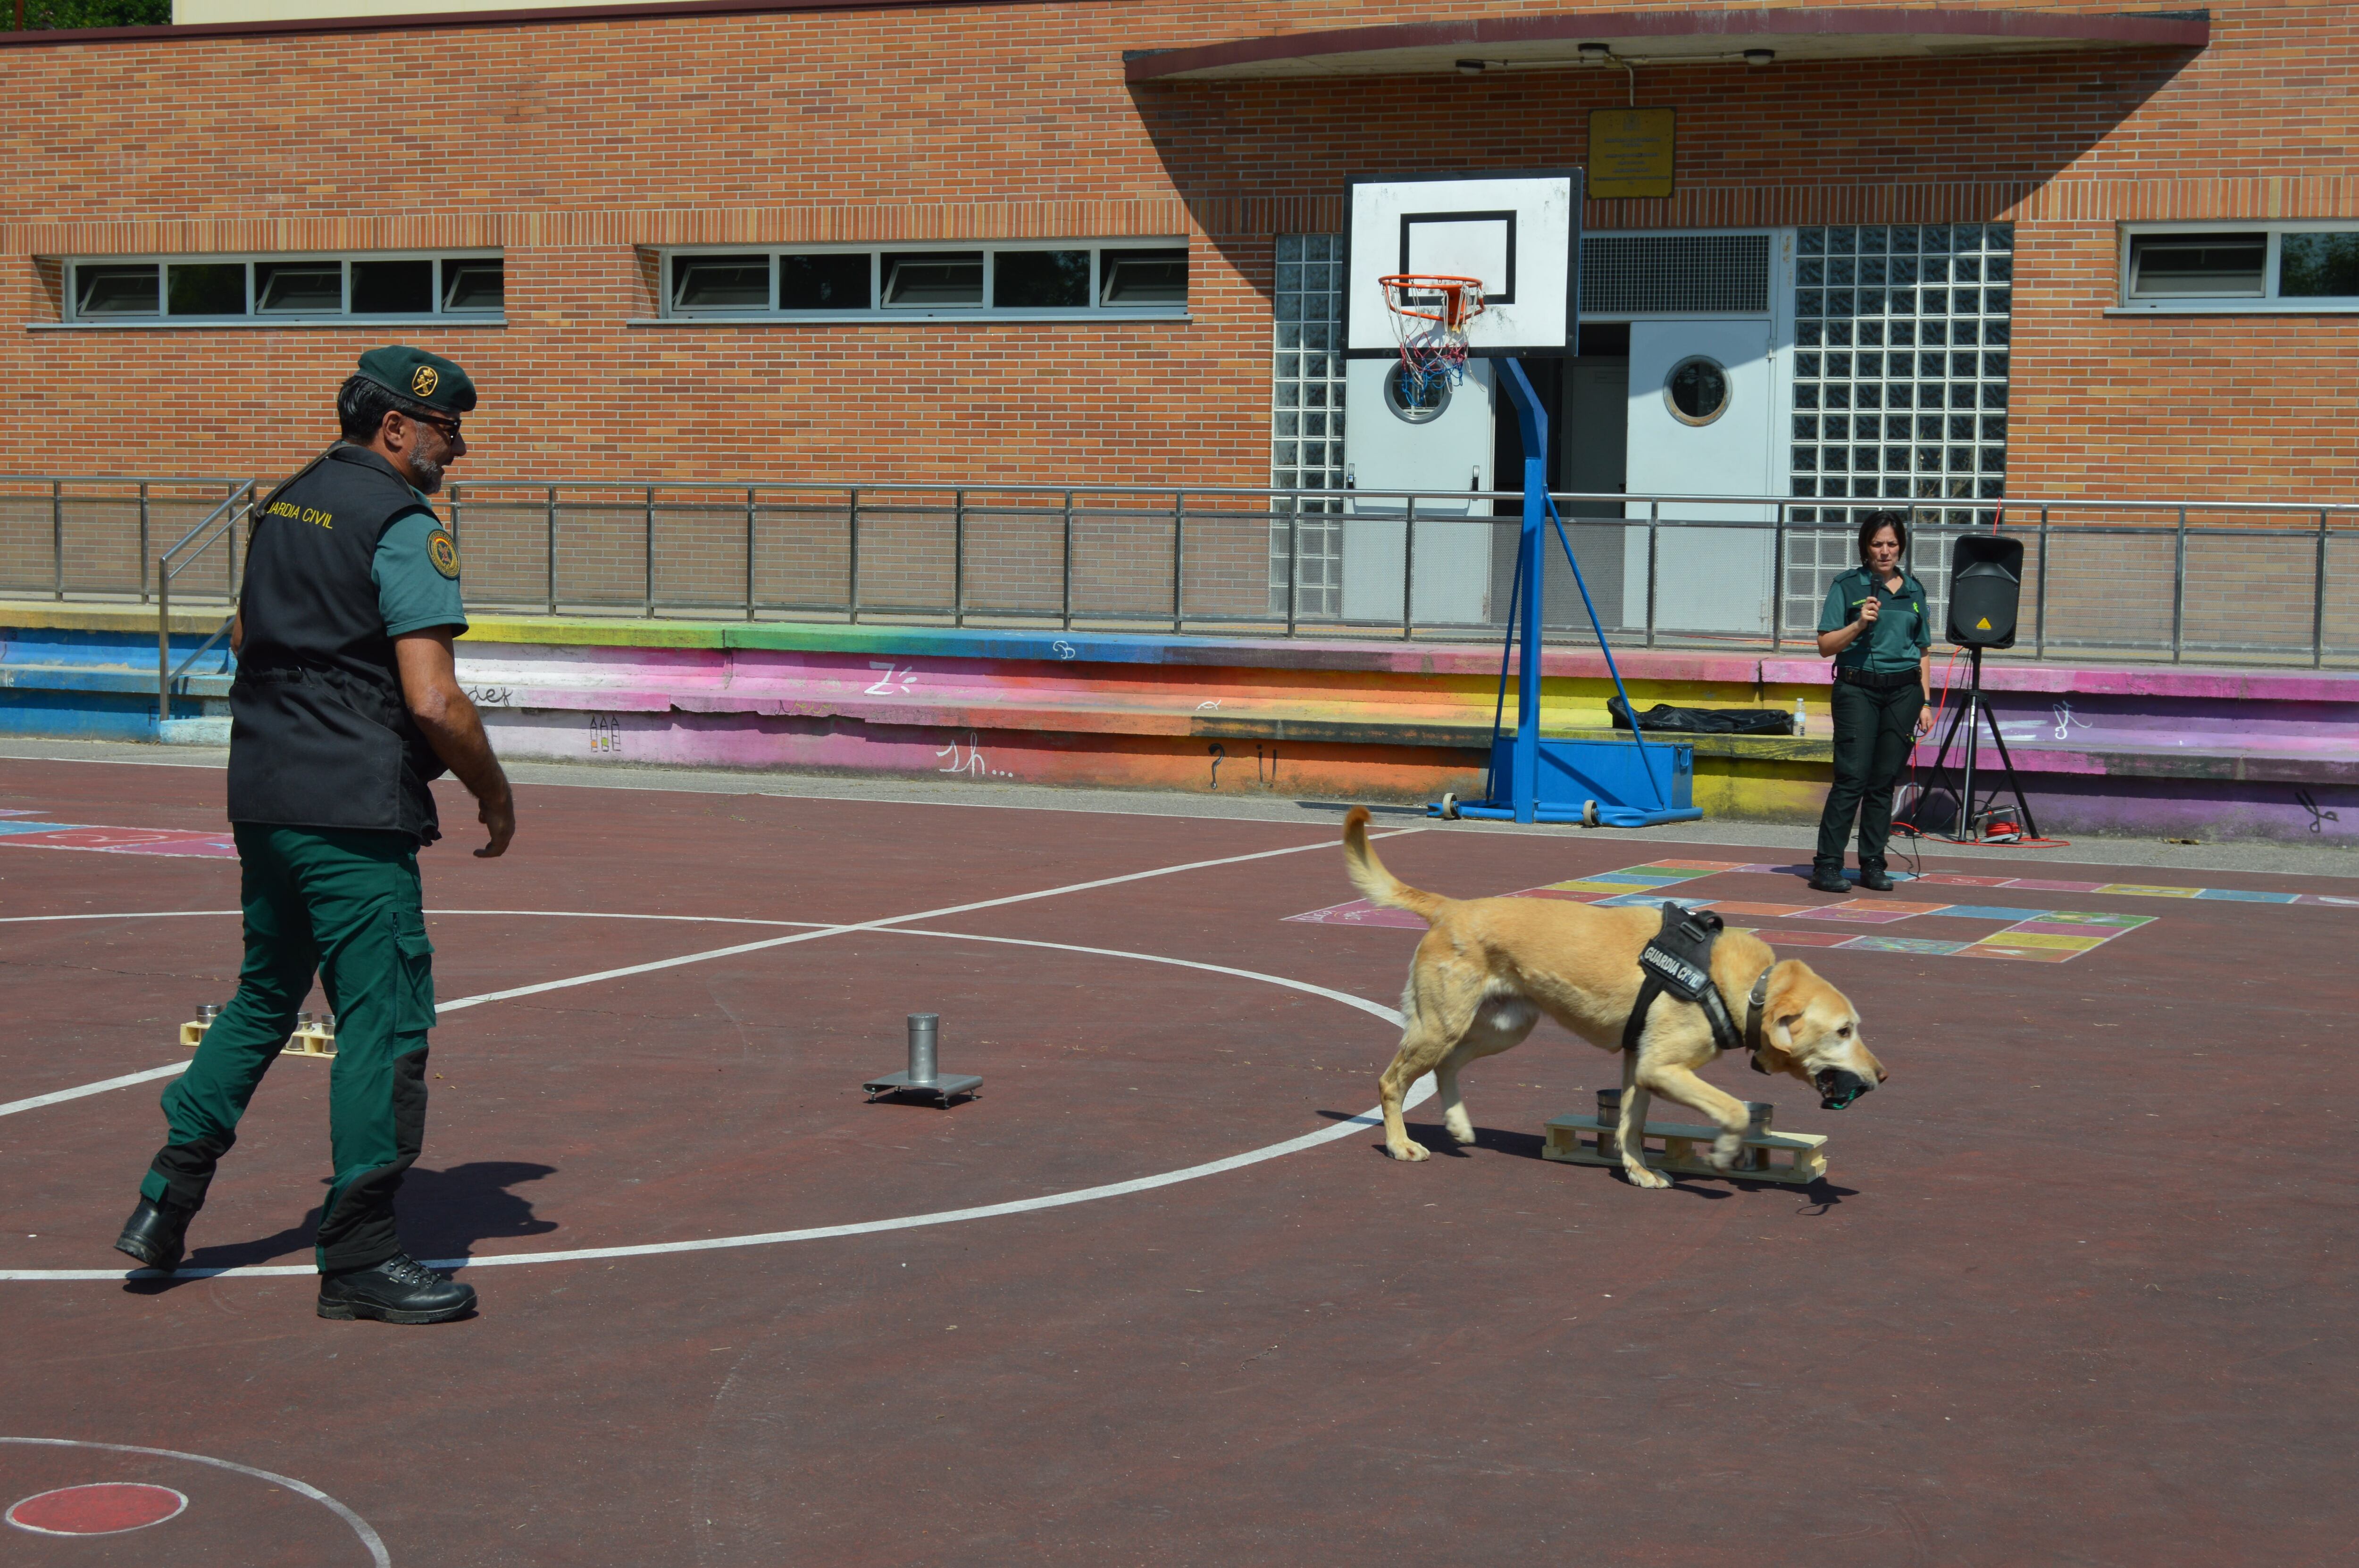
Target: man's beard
425	472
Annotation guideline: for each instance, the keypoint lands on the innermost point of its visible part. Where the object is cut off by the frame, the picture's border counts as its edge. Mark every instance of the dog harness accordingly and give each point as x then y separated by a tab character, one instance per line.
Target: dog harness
1678	960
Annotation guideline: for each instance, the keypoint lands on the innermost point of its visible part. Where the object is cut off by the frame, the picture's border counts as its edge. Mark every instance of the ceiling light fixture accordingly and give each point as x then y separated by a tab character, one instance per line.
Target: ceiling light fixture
1759	57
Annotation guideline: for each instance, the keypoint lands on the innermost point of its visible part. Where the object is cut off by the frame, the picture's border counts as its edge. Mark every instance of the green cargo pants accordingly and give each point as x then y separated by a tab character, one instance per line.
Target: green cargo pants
344	905
1875	732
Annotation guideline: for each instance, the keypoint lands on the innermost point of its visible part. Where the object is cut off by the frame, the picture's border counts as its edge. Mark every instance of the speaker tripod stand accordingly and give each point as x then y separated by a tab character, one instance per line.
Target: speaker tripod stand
1972	717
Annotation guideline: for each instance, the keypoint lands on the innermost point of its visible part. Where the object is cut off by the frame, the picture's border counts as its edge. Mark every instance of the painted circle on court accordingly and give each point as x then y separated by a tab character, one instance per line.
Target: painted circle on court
1344	1127
101	1508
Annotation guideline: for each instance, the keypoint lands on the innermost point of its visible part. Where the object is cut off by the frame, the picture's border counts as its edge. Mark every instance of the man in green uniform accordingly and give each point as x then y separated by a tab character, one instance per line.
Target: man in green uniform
1874	627
346	704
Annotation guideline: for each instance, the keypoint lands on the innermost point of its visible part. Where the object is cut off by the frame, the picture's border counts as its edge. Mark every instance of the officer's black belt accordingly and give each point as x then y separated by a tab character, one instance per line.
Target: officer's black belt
1678	960
1892	680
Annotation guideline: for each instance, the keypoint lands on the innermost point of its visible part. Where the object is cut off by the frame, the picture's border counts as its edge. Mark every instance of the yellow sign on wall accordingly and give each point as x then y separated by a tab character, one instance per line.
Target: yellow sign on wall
1631	152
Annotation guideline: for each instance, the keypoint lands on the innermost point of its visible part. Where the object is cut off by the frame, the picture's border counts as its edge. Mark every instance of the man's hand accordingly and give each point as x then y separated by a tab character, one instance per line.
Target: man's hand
498	817
429	685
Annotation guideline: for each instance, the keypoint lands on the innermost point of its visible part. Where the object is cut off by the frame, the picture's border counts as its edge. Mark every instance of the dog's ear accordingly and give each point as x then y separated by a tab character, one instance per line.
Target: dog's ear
1789	985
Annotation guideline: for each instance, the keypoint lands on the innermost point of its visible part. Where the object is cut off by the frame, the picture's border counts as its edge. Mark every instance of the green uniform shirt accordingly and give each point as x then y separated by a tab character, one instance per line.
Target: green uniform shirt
1899	637
416	574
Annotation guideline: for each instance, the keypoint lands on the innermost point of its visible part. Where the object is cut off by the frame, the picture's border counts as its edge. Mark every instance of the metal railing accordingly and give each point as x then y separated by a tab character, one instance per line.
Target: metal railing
218	526
2274	583
2277	582
73	534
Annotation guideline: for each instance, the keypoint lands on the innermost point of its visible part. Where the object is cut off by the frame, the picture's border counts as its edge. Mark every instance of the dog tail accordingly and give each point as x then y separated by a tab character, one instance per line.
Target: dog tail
1377	884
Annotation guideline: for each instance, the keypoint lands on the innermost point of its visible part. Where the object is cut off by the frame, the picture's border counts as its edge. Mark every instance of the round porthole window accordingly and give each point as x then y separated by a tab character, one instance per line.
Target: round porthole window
1422	408
1697	390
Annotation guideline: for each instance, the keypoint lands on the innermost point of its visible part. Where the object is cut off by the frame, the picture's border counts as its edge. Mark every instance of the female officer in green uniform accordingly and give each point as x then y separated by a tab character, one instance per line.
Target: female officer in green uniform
1874	627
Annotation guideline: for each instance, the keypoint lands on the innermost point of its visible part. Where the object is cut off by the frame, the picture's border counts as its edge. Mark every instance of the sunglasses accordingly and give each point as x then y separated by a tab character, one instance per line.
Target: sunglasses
449	428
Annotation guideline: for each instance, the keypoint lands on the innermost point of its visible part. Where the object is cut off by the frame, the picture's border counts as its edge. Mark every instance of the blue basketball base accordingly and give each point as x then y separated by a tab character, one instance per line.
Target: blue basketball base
1574	775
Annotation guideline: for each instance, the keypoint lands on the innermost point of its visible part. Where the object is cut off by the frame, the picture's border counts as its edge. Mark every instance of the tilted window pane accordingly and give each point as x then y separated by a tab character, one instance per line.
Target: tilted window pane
832	281
720	283
475	284
934	277
2312	266
1143	278
2194	266
1040	280
115	291
393	287
206	289
299	288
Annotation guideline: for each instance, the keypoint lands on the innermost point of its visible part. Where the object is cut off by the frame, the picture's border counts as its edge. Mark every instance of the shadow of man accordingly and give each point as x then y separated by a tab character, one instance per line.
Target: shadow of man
443	1215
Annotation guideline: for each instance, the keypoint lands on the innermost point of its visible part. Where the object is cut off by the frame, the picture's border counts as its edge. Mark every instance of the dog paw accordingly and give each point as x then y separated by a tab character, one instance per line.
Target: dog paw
1640	1176
1727	1149
1411	1151
1460	1131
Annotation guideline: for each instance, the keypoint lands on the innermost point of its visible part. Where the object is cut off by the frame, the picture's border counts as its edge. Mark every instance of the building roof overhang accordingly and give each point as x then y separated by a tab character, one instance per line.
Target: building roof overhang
1562	39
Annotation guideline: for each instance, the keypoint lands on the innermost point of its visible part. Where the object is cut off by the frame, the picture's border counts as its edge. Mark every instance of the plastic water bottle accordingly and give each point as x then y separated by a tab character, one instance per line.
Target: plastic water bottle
1800	719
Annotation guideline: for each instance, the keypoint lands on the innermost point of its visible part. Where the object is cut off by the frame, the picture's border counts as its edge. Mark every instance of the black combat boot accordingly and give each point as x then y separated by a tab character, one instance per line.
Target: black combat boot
1874	880
400	1290
1828	880
154	1234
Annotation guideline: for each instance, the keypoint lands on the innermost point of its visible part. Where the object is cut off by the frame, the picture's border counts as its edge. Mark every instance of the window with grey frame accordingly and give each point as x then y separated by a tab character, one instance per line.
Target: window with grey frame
1902	338
1306	424
266	289
1132	278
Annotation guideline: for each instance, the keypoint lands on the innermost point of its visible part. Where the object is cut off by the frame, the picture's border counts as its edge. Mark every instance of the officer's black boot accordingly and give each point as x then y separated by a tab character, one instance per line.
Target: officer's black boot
155	1233
400	1290
1873	878
1828	878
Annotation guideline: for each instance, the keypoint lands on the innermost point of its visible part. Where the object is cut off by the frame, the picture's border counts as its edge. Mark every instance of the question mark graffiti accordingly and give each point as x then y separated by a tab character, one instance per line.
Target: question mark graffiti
1219	754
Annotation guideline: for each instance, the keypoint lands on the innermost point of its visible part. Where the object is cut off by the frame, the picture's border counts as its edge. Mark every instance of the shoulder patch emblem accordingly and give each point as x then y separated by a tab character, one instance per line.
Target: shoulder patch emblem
443	551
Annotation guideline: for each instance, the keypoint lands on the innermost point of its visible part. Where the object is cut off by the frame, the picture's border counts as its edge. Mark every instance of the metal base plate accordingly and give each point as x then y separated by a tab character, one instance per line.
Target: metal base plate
945	1088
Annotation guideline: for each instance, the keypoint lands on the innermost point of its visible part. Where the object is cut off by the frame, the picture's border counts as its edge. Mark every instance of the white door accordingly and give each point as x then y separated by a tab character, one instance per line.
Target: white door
1703	405
1443	452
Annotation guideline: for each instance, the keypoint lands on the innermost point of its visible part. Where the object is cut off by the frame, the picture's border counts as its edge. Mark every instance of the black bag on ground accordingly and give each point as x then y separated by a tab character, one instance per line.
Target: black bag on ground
1664	718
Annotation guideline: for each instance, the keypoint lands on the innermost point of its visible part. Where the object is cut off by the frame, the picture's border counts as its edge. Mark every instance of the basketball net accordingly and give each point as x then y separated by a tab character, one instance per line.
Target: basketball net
1430	313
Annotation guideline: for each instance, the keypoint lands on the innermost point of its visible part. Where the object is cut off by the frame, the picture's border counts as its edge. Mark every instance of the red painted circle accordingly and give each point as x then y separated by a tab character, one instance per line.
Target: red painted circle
103	1507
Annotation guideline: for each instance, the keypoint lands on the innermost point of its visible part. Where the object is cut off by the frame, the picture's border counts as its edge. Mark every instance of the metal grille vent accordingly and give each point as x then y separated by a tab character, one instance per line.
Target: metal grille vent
1634	275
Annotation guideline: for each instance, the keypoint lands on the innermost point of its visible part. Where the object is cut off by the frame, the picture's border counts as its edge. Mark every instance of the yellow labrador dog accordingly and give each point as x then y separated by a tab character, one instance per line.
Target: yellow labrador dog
1490	967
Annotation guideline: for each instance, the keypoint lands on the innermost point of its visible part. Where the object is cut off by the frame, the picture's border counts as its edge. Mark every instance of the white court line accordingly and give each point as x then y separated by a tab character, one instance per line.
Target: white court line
1418	1093
58	1096
128	914
886	922
369	1538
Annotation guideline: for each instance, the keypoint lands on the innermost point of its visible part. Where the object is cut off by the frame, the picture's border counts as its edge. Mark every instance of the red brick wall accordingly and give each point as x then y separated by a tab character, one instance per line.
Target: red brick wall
573	146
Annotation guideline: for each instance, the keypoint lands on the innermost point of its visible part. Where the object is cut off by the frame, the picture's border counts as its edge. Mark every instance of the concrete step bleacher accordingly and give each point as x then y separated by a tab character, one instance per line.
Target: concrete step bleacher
2211	753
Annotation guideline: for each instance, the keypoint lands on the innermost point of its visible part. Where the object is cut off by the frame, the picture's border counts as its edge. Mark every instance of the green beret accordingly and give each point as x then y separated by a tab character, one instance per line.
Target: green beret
421	377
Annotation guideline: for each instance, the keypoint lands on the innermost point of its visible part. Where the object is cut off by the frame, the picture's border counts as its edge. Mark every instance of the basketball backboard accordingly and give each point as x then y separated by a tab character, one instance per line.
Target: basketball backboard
1519	233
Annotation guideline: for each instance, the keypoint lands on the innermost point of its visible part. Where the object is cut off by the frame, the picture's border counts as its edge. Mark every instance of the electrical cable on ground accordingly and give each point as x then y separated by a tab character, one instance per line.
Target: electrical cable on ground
1910	833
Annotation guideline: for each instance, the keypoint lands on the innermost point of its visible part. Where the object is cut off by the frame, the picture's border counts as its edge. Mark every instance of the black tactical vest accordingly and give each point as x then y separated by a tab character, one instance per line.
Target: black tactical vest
319	736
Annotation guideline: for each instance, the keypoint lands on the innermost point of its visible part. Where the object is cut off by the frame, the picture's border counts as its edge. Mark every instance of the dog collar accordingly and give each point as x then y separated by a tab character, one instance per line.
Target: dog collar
1754	1005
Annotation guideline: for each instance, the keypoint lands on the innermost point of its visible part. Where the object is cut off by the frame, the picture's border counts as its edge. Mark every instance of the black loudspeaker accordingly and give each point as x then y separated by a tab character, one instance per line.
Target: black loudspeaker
1985	586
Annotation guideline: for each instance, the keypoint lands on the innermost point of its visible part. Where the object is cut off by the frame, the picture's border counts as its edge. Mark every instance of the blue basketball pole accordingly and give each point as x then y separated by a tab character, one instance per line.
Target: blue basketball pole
1607	783
1533	419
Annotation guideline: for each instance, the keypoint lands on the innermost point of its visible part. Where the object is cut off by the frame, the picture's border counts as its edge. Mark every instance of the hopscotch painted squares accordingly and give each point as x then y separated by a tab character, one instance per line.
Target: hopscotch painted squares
2028	936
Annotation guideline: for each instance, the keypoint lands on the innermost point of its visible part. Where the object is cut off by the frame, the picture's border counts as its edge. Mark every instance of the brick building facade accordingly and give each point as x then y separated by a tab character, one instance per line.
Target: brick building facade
588	151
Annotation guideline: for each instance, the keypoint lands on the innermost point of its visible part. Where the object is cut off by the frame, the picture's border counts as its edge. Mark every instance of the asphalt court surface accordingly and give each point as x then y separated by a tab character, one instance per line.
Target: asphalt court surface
2076	1290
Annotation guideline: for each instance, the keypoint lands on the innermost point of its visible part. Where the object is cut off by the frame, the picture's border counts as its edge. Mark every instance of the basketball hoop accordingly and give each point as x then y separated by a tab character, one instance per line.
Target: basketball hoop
1430	312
